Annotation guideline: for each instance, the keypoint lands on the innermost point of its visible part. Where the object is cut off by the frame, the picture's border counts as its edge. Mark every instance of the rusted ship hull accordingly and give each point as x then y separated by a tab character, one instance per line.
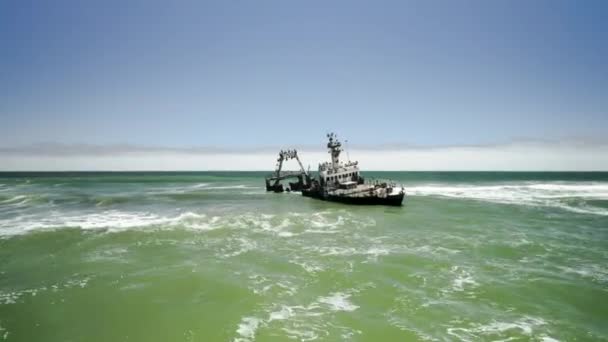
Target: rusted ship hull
394	200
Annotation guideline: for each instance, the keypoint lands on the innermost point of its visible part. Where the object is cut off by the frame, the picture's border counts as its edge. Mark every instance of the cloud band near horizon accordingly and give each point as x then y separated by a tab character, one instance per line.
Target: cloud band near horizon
516	156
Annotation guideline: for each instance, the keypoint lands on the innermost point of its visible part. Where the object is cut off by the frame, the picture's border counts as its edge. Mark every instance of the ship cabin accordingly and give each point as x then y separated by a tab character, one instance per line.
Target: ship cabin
343	176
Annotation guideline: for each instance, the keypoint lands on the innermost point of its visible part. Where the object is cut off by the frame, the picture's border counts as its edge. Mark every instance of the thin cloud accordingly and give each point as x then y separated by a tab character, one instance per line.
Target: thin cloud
57	149
53	149
516	156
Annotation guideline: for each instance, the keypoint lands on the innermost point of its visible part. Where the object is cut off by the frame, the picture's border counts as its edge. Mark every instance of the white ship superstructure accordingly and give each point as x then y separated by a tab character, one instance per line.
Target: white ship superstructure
342	181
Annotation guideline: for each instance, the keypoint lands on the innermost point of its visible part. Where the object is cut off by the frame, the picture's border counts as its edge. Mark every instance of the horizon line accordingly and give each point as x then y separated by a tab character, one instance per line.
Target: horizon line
271	171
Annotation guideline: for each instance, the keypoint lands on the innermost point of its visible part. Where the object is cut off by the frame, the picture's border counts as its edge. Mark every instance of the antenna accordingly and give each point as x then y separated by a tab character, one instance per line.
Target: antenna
346	150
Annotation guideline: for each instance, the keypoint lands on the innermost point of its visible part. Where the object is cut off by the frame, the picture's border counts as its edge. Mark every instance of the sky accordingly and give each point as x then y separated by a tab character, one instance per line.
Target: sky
114	84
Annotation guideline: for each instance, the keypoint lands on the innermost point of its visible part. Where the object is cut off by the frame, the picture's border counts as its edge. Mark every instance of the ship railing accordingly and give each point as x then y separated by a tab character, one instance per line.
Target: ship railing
380	181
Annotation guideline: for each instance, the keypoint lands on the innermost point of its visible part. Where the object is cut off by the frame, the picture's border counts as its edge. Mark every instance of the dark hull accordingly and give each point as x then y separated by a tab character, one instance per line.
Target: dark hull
367	200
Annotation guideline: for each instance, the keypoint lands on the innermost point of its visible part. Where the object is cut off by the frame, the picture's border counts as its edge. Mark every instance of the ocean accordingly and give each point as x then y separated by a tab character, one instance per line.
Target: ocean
211	256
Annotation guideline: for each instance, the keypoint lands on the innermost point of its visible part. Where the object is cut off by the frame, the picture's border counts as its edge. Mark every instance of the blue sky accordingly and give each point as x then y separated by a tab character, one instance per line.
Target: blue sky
260	73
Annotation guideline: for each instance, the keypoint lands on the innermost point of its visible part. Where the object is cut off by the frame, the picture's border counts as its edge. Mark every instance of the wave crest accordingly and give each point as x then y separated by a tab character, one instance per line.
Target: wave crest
585	198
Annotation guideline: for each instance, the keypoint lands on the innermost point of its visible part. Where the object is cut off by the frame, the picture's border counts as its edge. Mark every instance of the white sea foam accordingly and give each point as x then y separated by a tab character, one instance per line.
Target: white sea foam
284	313
434	250
265	223
334	250
307	266
300	322
331	222
401	323
515	191
320	220
115	220
14	297
338	301
536	194
259	192
237	247
111	220
200	187
462	281
375	252
524	326
301	335
115	254
247	328
3	332
232	187
321	231
16	200
371	252
595	272
9	297
261	285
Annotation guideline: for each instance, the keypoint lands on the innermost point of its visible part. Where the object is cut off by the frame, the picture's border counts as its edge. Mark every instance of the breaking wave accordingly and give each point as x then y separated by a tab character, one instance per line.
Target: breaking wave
112	220
525	327
301	322
586	198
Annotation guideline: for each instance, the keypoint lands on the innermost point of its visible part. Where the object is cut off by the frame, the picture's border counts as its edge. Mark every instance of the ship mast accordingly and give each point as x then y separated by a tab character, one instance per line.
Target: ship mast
335	147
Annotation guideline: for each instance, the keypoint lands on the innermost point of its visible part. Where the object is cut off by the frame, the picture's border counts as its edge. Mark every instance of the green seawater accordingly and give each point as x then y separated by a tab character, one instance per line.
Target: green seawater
210	256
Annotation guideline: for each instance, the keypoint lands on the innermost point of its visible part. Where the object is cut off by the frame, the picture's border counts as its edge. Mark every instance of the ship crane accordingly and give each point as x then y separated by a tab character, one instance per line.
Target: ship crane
273	180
